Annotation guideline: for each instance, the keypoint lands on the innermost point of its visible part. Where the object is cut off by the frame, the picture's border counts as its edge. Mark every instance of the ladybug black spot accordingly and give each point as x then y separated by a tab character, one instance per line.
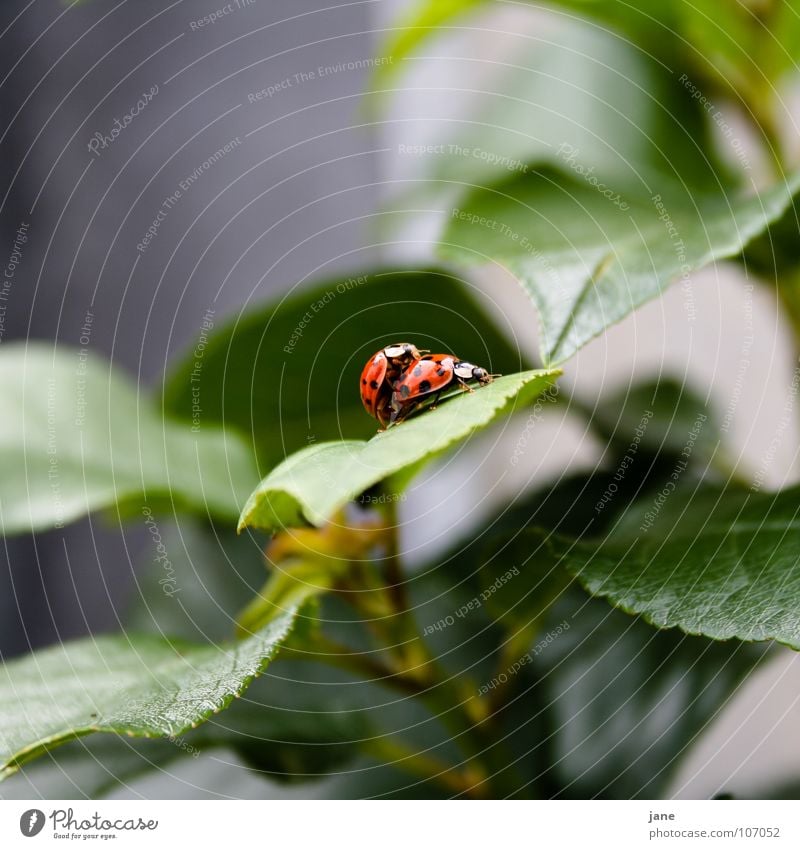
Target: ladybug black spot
417	371
374	384
404	391
440	372
424	385
364	380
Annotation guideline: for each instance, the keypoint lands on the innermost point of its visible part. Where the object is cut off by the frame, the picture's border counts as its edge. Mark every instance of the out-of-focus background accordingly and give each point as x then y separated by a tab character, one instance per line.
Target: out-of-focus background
255	166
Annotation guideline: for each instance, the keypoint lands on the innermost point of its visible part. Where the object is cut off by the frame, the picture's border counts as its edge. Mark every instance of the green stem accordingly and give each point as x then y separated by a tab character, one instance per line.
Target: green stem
442	698
788	287
453	701
523	637
764	120
403	660
461	782
324	650
723	463
402	630
755	96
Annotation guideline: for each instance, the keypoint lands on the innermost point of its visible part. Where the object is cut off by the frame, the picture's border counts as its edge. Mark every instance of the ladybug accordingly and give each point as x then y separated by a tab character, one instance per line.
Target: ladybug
380	374
428	378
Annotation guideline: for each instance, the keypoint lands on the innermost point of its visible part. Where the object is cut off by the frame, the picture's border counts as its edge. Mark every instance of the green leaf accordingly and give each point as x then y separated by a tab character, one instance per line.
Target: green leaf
775	254
284	399
295	742
142	686
659	417
315	482
553	85
77	437
585	260
717	39
418	23
196	586
608	705
89	768
718	563
292	584
735	47
780	58
213	574
292	742
625	703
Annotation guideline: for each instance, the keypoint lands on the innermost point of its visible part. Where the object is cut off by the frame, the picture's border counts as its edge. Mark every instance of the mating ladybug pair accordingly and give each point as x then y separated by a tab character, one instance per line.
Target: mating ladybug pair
399	379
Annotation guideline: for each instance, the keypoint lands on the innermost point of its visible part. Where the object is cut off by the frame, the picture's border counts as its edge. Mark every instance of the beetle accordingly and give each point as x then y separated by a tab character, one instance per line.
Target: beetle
379	375
428	378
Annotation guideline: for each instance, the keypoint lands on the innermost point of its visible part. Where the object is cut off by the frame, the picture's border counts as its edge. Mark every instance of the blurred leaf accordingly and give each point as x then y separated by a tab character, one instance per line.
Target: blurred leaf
789	790
554	87
279	743
741	40
214	575
606	706
746	46
709	39
781	47
285	399
625	702
586	261
195	594
315	482
477	569
143	686
419	22
290	585
89	768
77	437
293	743
775	254
713	562
659	417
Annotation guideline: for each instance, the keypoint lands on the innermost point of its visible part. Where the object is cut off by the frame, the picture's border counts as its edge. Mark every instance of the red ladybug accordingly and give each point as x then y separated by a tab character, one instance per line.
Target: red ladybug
380	374
428	378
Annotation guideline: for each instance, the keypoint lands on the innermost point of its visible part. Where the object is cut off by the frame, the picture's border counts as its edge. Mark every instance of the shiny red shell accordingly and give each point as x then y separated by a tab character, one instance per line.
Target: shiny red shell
381	371
372	378
432	374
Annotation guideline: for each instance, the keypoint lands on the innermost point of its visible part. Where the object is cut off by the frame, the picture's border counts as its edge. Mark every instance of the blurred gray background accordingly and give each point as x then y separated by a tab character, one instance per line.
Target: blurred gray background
286	203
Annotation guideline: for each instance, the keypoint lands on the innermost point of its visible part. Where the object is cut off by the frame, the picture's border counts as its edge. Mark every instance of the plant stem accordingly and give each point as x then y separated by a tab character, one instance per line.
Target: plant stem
395	579
522	637
453	701
462	782
324	650
788	287
443	699
402	660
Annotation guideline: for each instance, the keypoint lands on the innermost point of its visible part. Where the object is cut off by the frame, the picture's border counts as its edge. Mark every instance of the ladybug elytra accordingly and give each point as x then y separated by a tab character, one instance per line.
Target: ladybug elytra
428	378
399	379
380	373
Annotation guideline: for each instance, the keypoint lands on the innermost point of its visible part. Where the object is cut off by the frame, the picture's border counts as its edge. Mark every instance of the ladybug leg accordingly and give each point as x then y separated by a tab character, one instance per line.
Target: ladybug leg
398	411
400	416
464	385
435	400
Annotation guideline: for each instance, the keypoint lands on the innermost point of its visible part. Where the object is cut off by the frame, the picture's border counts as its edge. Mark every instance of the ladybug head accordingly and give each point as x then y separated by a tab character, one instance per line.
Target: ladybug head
468	371
481	375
